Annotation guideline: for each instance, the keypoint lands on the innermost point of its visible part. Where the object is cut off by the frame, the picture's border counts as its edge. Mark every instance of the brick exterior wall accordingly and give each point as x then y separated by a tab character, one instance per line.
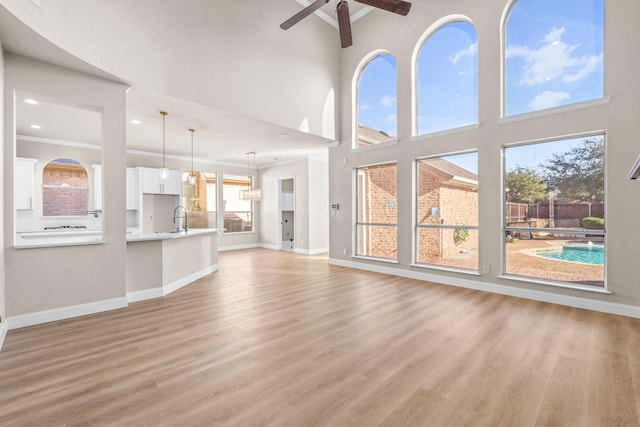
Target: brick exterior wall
70	199
457	205
379	195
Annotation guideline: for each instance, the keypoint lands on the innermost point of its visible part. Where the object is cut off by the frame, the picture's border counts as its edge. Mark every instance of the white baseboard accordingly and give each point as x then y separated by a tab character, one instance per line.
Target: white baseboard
567	300
161	291
311	251
3	332
56	314
267	246
238	247
174	286
145	294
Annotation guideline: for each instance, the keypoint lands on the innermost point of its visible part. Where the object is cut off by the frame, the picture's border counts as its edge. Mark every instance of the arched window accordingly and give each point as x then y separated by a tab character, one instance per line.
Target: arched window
553	54
447	79
65	188
377	108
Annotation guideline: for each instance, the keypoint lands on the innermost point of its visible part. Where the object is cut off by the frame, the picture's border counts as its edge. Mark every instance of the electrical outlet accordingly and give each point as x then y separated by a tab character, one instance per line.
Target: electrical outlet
344	251
486	269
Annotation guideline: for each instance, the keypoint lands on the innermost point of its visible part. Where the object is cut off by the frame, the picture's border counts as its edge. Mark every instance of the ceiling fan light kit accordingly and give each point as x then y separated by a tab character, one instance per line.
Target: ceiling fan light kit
399	7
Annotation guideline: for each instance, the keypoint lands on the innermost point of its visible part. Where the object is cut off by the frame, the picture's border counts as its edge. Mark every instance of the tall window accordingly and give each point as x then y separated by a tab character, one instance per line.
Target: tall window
447	211
553	54
238	213
554	210
447	79
377	211
200	198
65	188
377	102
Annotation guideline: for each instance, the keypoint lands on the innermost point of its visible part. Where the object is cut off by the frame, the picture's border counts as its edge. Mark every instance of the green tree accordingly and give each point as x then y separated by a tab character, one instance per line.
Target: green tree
578	174
525	185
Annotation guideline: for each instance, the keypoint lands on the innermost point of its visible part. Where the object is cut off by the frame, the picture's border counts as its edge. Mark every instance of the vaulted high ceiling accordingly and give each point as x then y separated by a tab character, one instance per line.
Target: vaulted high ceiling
225	68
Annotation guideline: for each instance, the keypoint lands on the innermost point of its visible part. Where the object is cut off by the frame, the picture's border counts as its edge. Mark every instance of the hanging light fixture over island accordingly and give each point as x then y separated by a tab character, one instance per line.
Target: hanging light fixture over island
252	193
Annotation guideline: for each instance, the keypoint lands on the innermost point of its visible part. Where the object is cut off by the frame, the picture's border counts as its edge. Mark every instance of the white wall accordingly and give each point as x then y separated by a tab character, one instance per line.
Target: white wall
219	54
618	117
50	278
269	205
311	204
318	206
3	311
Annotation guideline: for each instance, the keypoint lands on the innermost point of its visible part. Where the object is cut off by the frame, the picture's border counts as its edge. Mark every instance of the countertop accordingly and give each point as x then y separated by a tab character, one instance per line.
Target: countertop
143	237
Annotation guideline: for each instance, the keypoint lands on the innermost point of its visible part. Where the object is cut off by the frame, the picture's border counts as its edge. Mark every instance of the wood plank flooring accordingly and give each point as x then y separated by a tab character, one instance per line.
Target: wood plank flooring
278	339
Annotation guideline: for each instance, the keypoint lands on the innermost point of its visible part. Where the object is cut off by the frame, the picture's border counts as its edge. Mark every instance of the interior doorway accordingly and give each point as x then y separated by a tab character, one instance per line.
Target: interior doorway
287	214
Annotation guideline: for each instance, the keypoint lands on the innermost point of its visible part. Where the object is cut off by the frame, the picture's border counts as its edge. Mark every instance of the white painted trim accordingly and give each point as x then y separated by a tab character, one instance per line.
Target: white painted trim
39	317
310	251
268	246
238	247
555	110
567	300
52	141
459	129
180	283
144	295
3	333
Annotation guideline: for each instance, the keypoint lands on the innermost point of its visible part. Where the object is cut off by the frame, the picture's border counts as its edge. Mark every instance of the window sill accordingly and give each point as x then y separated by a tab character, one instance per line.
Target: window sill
555	110
369	258
373	147
447	269
532	280
226	233
443	132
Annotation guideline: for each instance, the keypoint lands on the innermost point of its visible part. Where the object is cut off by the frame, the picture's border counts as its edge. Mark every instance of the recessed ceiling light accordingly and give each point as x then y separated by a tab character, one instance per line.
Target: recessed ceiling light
31	101
35	127
135	122
284	134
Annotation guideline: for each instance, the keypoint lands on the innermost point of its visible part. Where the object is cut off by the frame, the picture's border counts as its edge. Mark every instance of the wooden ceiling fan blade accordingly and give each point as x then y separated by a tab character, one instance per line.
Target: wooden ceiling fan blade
303	14
344	24
396	6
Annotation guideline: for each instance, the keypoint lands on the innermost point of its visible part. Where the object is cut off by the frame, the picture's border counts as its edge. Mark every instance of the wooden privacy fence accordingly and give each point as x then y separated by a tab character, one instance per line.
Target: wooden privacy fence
515	212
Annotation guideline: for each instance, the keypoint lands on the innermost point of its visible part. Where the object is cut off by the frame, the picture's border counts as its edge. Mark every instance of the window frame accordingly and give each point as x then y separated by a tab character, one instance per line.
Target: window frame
360	68
417	227
558	230
356	212
225	211
585	103
422	41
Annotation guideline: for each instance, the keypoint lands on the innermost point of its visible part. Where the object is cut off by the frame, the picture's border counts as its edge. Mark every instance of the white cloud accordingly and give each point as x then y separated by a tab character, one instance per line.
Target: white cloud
388	101
365	107
548	99
392	118
471	50
554	59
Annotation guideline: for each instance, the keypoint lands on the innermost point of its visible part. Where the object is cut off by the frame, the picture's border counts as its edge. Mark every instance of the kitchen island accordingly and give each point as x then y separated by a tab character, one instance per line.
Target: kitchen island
160	263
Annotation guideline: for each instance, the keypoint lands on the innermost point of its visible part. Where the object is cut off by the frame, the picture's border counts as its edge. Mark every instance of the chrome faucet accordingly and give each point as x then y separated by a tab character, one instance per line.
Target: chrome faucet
185	218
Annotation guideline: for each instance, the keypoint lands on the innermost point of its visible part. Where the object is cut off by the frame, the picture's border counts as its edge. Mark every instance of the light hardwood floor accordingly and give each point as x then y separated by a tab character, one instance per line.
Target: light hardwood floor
275	338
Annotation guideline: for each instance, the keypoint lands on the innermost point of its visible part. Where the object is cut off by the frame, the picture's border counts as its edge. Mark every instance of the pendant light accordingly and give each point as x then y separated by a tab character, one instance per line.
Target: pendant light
192	178
252	193
164	172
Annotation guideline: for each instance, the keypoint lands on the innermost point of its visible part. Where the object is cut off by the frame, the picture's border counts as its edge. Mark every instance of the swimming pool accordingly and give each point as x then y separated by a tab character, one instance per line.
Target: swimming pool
587	253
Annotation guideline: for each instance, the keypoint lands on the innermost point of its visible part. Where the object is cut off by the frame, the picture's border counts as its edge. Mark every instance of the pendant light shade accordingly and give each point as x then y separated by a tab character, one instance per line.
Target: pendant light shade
164	172
252	193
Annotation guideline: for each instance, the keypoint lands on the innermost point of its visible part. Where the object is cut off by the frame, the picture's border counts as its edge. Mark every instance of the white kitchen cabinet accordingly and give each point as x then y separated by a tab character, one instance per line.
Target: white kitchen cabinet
152	182
24	182
287	201
133	190
97	187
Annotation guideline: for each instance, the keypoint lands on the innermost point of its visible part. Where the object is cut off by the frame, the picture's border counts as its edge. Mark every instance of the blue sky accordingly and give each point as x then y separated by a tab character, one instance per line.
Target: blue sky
554	56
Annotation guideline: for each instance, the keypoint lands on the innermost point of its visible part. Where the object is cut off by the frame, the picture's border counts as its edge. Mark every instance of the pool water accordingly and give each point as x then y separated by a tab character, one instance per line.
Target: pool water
588	254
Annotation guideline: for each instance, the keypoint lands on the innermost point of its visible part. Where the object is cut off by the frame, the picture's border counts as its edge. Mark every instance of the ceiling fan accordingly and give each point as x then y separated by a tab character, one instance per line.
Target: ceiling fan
342	9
